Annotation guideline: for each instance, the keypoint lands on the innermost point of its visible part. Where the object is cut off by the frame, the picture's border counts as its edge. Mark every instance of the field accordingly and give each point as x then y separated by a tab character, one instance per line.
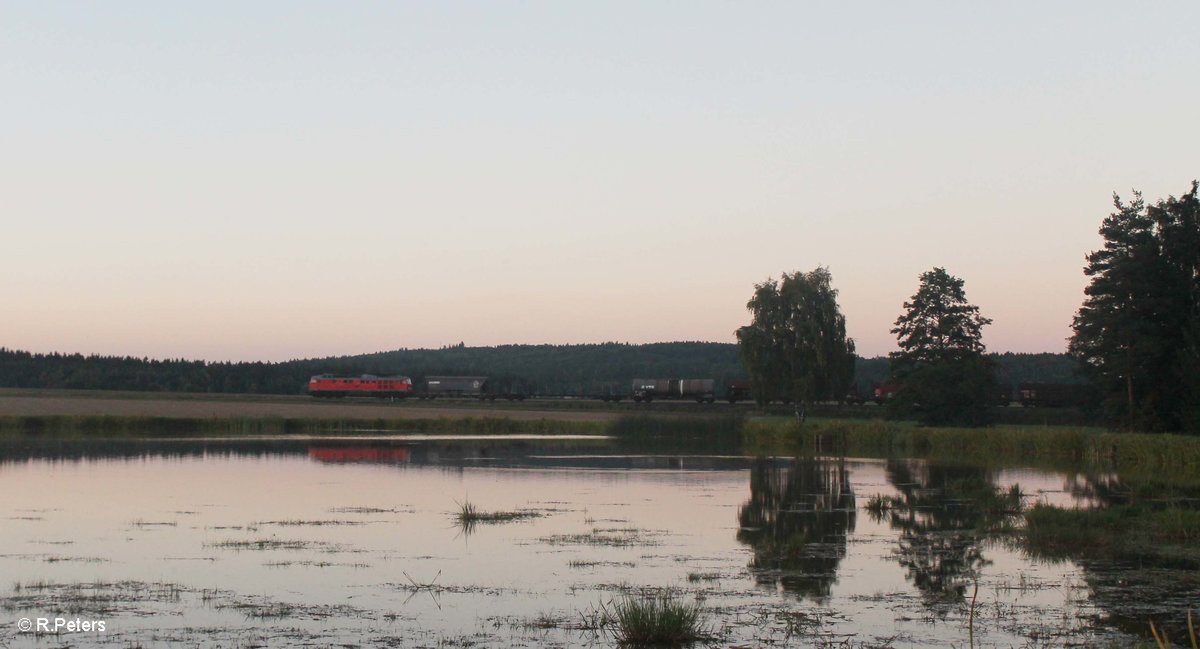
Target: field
52	403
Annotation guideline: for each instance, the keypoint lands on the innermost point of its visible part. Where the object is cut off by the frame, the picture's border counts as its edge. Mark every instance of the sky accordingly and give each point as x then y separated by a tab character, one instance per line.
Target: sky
280	180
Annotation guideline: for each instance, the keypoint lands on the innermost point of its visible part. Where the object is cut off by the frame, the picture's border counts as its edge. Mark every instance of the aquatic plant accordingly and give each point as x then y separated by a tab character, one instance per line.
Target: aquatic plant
468	514
659	619
1058	532
1057	446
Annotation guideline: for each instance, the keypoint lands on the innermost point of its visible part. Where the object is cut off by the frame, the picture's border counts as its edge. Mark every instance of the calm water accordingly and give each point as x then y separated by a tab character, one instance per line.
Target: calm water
339	541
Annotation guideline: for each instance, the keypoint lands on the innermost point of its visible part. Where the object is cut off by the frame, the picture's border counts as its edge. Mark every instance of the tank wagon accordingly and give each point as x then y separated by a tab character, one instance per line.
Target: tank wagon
368	385
646	390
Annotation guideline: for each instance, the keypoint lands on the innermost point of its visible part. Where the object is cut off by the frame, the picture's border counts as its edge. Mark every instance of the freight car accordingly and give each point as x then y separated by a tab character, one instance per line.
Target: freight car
1052	395
646	390
742	390
471	387
367	385
739	390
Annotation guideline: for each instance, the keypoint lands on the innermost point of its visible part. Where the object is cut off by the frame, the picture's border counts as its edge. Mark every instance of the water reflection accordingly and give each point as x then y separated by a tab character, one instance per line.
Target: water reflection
797	522
1137	567
945	514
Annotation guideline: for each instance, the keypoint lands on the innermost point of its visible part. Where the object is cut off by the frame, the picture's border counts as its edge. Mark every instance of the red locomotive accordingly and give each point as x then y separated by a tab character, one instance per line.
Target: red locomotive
367	385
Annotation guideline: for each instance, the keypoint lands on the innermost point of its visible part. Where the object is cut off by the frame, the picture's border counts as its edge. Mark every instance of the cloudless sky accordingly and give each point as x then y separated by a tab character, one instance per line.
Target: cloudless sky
276	180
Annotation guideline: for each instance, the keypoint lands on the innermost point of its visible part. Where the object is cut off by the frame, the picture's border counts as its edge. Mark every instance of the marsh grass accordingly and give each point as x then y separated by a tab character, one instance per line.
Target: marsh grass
368	510
1047	446
656	620
1057	532
622	537
584	563
468	515
304	523
89	597
695	577
276	544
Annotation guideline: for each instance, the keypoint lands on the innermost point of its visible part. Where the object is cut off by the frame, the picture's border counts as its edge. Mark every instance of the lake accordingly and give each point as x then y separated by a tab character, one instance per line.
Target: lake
355	541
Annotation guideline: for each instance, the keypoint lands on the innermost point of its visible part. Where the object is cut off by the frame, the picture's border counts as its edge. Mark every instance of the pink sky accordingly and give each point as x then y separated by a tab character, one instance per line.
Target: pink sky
272	182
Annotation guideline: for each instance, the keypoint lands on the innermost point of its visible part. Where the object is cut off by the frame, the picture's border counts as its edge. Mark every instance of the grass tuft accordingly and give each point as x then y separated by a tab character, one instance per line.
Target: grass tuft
661	620
469	515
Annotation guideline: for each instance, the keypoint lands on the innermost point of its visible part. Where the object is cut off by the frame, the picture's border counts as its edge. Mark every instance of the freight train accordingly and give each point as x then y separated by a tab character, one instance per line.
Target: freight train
471	387
400	387
368	385
646	390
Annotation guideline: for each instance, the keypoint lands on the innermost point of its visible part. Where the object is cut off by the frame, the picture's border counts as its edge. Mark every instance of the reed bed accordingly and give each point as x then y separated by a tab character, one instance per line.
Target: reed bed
1060	446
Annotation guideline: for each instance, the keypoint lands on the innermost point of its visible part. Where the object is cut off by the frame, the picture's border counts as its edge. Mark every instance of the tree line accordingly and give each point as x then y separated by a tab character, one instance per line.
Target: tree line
541	369
1136	337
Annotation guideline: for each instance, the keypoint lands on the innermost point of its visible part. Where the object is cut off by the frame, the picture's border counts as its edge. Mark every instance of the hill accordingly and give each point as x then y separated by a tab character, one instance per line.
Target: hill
537	369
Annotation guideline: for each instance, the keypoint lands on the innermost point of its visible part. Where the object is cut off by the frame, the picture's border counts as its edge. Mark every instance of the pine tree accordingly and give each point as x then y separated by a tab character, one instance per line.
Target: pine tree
945	377
1136	331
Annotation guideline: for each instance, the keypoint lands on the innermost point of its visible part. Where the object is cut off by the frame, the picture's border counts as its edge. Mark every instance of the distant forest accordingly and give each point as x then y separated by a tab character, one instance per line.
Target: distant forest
575	370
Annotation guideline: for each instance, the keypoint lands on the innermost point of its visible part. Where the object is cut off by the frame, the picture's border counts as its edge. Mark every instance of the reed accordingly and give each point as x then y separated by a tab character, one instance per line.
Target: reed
1053	446
1161	640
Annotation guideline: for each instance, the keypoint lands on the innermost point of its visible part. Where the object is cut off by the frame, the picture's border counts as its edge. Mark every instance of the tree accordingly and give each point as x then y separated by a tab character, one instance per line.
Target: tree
944	376
795	346
1137	333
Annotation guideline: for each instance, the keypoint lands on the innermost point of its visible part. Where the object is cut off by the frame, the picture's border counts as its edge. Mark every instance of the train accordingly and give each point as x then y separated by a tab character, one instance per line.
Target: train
471	387
646	390
1053	395
1041	395
328	386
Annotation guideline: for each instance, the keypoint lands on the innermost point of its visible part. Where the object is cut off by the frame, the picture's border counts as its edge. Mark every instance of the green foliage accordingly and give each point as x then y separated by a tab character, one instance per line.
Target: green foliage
946	379
549	369
657	620
796	345
939	323
1012	369
1138	330
1120	529
953	392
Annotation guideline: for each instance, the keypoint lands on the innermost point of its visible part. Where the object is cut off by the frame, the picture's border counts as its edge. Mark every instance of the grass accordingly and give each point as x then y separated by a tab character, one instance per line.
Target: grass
469	515
1114	530
147	426
610	537
694	577
656	620
1048	446
275	544
716	430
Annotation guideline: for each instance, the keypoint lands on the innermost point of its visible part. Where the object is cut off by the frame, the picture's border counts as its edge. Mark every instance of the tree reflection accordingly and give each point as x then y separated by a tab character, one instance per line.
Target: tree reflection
1133	537
796	522
944	513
